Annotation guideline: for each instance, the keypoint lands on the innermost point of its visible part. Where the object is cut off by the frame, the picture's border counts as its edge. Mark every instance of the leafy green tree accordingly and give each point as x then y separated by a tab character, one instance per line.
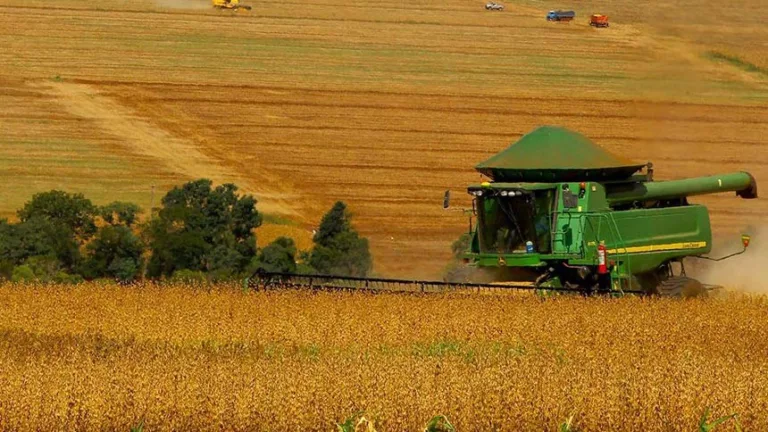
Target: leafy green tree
279	256
38	236
115	252
202	228
10	243
120	213
339	249
53	229
124	269
223	262
174	249
53	224
64	210
335	222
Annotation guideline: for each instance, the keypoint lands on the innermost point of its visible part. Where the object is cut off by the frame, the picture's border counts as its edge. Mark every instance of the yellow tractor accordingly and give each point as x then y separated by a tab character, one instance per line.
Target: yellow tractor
229	4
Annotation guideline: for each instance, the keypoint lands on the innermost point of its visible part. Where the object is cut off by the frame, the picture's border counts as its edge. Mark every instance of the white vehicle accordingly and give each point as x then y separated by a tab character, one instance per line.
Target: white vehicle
494	6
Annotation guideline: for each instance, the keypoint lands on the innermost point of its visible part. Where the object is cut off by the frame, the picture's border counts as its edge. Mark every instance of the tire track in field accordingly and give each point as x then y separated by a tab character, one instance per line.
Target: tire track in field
143	138
239	87
364	129
455	110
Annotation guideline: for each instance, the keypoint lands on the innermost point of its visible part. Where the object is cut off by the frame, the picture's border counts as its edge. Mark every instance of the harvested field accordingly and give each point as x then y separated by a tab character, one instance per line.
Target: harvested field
102	357
381	105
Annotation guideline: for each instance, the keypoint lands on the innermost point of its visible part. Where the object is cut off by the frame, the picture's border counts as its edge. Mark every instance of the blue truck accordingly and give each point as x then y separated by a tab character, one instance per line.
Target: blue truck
559	15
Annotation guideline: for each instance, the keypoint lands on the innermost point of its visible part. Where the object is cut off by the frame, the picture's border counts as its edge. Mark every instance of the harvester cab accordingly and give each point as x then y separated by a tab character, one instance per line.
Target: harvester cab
561	212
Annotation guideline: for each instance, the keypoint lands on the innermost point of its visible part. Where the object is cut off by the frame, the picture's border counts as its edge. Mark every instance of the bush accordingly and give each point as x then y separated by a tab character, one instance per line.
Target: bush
124	269
339	249
304	269
279	257
6	270
23	273
189	276
66	278
45	268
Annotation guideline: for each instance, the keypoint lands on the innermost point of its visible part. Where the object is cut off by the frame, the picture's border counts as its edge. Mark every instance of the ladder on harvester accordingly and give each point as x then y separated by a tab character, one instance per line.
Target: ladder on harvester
620	246
582	248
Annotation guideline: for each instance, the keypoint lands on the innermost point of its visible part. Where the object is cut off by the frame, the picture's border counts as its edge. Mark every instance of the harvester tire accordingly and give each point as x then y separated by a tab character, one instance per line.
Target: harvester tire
680	286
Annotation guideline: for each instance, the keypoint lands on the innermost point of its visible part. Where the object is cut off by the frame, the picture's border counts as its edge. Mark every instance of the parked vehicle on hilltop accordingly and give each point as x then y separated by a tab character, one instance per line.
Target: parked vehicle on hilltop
598	20
559	15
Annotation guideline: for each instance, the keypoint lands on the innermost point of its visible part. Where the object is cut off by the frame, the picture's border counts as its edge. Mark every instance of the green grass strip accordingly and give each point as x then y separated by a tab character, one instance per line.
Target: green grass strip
735	61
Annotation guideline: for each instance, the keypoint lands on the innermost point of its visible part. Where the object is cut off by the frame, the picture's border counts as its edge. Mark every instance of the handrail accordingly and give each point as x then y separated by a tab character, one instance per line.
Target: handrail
613	229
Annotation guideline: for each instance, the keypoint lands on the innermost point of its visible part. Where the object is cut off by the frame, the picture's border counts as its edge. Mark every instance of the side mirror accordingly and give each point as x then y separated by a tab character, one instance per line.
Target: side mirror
745	240
447	199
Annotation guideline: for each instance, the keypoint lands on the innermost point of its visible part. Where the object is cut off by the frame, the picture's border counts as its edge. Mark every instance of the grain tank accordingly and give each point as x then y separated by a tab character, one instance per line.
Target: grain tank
561	212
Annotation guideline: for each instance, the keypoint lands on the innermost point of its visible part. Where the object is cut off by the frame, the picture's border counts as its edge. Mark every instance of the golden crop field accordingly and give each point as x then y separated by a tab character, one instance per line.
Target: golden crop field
383	105
104	357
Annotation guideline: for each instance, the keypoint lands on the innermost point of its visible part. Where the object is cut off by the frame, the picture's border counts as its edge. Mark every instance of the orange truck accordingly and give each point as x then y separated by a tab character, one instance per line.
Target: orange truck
598	20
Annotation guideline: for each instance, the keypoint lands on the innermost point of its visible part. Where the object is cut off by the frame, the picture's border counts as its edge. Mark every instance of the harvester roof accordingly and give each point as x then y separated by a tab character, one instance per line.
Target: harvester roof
554	154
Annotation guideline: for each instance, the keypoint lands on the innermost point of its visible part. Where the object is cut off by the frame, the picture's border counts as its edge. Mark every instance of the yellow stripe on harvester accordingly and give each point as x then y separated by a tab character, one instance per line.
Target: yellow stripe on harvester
659	247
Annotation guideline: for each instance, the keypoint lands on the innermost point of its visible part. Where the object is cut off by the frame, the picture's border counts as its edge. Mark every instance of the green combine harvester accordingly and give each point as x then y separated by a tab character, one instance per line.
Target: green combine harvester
560	213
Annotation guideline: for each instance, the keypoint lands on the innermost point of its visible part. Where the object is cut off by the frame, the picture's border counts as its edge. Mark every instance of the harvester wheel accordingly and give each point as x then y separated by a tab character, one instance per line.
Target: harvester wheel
680	286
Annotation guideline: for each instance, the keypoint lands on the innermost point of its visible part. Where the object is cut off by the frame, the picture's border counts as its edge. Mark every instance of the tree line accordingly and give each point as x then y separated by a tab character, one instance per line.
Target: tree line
198	232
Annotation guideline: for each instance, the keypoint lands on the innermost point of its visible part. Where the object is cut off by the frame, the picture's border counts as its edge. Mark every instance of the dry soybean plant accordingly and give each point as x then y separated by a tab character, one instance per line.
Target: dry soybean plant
99	356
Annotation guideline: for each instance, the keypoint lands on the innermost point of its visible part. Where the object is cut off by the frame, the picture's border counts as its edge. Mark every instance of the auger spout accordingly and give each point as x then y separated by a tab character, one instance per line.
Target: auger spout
743	183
